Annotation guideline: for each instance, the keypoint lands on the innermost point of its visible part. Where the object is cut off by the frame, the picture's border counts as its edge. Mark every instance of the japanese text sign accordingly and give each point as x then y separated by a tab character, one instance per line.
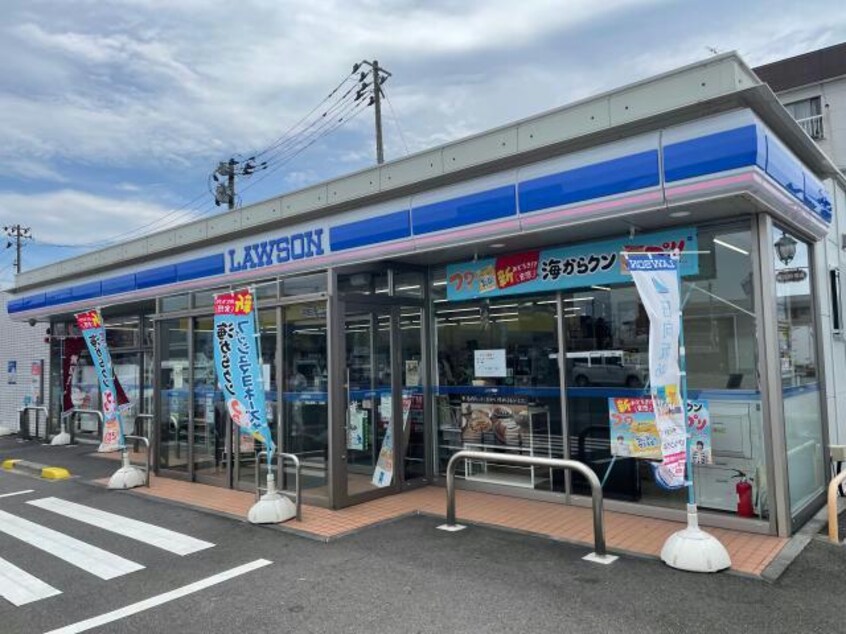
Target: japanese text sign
236	359
564	267
90	323
657	281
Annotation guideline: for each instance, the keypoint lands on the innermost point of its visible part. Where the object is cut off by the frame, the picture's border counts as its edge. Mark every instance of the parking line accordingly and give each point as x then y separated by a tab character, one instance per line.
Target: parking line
157	536
8	495
95	560
19	587
152	602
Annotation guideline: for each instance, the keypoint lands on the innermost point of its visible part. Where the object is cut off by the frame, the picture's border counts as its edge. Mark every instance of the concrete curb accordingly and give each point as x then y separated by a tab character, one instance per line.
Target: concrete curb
35	469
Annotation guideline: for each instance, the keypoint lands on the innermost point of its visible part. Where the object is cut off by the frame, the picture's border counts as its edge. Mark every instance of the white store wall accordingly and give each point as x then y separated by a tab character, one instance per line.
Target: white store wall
21	346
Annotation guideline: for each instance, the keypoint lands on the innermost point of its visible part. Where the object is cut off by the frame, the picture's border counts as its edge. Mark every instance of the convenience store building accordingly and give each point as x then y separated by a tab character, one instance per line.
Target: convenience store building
475	295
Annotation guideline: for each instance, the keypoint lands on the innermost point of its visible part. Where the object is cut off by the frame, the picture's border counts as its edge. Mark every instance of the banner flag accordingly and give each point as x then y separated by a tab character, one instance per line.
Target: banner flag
657	281
236	359
90	324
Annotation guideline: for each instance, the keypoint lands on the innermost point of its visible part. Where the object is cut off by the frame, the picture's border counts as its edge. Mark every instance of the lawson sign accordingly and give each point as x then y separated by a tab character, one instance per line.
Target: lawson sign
279	250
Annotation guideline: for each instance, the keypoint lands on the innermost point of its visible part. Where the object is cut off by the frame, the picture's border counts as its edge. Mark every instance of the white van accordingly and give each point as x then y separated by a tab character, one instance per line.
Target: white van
604	367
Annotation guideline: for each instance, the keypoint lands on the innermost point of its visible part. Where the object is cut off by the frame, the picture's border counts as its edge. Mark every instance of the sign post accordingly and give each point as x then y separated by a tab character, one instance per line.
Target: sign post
658	280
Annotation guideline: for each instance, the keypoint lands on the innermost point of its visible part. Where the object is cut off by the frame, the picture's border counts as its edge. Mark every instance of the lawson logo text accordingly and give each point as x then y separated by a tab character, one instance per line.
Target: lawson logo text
297	246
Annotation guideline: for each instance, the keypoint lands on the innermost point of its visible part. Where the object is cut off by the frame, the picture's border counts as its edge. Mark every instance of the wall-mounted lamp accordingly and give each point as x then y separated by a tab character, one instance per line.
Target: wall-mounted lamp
785	248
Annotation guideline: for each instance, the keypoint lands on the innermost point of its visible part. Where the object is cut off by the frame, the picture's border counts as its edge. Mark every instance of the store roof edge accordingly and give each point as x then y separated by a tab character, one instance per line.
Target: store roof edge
739	87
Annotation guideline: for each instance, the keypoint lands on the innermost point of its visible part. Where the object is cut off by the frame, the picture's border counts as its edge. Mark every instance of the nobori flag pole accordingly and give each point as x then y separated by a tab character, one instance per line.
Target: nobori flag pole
691	548
272	507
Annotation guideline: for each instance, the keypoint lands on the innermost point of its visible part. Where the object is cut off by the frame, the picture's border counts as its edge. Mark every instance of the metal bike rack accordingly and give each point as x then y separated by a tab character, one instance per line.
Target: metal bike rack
23	421
600	555
146	442
69	414
298	491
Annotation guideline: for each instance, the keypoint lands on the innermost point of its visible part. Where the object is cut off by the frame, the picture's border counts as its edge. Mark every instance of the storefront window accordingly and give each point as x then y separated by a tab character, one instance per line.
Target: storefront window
607	333
173	402
305	413
498	385
174	303
304	285
800	377
368	283
123	332
408	283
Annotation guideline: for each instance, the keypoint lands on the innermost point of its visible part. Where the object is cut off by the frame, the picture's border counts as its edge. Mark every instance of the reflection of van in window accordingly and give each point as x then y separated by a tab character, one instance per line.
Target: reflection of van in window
603	367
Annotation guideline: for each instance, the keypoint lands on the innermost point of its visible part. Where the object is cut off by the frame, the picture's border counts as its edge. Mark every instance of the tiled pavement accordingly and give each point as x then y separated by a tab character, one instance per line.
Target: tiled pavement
750	553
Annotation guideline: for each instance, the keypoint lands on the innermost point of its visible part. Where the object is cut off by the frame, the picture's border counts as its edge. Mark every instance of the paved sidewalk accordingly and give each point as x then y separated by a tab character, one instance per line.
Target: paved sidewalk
624	533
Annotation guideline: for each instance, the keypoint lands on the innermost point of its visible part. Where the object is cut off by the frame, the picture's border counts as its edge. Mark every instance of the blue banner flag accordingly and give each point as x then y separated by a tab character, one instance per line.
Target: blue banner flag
236	358
90	324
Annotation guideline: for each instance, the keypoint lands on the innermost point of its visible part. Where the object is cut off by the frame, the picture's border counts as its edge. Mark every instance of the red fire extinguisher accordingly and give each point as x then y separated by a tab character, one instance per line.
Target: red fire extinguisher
743	488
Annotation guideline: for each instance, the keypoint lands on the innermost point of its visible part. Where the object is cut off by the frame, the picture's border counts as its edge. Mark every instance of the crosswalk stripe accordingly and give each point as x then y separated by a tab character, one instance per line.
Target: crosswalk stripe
19	587
140	531
95	560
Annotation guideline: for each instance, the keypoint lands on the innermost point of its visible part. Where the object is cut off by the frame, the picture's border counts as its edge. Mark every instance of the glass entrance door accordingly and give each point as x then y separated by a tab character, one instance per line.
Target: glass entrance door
383	397
368	456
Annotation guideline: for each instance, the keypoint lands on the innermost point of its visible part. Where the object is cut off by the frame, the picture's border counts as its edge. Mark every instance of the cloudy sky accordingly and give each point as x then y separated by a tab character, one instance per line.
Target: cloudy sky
115	112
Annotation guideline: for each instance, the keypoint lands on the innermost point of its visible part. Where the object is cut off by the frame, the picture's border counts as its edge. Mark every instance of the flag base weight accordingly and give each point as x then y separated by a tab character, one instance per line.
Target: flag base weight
127	477
62	438
272	508
693	549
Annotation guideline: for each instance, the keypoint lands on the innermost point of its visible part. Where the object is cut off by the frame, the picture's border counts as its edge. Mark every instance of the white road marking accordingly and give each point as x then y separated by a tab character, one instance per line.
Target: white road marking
152	602
8	495
90	558
141	531
19	587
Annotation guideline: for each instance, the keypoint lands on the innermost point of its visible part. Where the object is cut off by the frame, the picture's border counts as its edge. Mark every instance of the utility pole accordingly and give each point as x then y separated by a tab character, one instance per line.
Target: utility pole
377	109
380	76
231	183
19	234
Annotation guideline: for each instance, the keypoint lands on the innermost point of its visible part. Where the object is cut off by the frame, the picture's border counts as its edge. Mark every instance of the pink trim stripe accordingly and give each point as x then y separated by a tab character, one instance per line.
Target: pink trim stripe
513	223
546	216
724	181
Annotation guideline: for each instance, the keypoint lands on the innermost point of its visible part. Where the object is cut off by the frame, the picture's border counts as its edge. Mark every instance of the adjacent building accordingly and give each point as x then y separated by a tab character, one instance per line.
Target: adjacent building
476	295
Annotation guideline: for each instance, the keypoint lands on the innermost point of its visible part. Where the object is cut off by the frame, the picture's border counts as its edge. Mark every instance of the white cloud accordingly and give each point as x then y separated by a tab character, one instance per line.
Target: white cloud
129	96
68	216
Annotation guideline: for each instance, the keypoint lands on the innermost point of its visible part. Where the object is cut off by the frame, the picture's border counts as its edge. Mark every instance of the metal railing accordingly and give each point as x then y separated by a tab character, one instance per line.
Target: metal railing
531	461
146	442
141	422
71	428
298	490
23	421
812	125
71	413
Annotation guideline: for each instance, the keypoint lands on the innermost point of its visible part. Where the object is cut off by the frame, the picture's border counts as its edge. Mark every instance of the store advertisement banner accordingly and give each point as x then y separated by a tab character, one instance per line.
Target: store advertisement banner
578	266
383	474
236	359
634	432
90	324
71	350
656	277
699	432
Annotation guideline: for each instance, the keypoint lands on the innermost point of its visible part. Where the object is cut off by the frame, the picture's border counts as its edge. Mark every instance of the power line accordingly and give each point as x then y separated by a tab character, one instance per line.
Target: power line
356	111
396	121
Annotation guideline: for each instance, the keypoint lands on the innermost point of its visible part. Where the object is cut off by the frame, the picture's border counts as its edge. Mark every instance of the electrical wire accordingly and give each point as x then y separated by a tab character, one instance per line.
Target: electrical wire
396	121
351	115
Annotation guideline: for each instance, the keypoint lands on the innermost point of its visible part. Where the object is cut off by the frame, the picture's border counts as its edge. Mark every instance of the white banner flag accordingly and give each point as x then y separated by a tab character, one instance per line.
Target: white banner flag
656	279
